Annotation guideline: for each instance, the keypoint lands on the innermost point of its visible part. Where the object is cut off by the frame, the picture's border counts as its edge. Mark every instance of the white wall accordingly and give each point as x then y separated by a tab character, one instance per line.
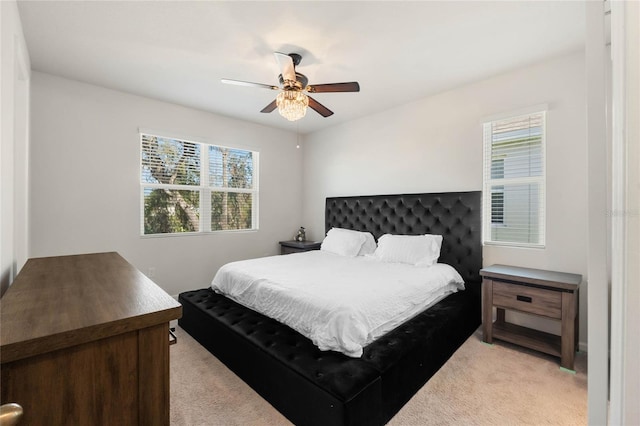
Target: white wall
598	83
14	144
86	181
435	144
625	287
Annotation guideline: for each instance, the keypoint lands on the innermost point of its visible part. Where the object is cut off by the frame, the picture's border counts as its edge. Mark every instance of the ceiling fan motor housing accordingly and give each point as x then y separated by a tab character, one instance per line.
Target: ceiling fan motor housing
300	83
295	58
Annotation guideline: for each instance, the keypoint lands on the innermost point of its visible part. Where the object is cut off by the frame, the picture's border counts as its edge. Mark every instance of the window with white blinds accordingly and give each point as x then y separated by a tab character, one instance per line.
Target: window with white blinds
514	181
191	187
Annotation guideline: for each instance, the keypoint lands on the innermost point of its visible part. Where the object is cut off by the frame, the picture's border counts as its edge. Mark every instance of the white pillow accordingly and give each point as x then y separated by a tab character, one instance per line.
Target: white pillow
419	250
343	243
369	245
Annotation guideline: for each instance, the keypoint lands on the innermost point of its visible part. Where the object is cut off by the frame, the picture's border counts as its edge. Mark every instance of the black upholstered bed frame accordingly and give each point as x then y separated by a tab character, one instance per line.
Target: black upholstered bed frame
312	387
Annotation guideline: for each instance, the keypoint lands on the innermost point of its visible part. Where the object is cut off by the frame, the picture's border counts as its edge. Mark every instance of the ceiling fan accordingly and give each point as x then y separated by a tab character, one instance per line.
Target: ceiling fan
292	101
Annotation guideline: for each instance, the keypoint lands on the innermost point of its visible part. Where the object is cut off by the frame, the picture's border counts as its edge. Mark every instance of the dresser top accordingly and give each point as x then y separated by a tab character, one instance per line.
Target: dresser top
533	276
62	301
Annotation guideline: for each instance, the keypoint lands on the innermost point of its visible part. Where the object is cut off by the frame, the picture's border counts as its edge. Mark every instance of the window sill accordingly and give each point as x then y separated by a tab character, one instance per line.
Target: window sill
192	234
513	245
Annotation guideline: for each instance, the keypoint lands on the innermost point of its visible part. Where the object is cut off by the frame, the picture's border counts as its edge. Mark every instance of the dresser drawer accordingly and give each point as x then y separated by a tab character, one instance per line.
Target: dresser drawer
528	299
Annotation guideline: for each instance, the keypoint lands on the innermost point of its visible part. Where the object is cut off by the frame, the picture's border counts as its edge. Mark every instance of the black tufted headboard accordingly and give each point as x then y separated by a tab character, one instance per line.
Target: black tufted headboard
454	215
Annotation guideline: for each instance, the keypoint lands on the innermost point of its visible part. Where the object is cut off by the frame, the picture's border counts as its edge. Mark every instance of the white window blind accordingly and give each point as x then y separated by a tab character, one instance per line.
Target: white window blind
514	181
231	180
189	187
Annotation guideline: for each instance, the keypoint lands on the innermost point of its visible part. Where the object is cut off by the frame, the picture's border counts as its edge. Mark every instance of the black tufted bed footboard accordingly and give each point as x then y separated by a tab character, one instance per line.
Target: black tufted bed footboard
313	387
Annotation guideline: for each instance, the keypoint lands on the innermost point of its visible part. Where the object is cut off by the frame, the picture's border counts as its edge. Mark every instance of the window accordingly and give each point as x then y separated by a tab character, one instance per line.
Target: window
497	192
189	187
514	180
497	206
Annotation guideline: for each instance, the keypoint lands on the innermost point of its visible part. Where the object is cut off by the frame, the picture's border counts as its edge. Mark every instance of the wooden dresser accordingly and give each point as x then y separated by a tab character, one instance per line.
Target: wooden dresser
85	340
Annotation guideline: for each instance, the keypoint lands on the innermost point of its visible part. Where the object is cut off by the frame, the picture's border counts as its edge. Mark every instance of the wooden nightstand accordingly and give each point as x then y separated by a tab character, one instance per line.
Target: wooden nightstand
544	293
287	247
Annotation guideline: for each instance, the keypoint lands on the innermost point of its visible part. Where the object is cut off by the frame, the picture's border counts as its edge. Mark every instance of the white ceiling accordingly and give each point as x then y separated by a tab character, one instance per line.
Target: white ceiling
177	51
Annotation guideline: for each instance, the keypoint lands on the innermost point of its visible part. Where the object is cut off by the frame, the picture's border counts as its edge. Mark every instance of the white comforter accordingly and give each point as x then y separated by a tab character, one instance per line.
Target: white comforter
340	303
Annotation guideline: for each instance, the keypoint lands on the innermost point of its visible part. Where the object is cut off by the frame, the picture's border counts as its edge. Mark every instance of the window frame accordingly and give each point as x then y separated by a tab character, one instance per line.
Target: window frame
488	182
204	189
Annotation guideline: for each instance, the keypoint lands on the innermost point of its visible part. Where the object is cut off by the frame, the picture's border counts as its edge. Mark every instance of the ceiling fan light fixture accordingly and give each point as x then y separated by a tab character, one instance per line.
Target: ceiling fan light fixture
292	104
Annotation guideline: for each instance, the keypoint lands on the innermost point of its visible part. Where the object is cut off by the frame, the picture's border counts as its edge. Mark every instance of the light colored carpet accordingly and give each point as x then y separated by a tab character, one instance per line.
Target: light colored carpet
481	384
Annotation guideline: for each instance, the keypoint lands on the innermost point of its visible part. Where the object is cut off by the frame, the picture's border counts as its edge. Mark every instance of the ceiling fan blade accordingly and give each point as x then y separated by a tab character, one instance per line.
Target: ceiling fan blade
319	108
287	68
352	86
249	84
269	107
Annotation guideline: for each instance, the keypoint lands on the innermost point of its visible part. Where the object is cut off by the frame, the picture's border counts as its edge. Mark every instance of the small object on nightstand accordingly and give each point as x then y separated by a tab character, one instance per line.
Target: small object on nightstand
544	293
287	247
301	235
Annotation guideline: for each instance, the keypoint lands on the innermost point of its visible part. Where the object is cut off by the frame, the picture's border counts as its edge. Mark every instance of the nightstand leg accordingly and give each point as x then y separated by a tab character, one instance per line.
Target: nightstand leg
568	340
577	320
487	311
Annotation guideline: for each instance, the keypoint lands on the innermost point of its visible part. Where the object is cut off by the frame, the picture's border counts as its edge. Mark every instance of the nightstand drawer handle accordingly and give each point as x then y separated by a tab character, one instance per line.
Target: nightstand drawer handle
524	299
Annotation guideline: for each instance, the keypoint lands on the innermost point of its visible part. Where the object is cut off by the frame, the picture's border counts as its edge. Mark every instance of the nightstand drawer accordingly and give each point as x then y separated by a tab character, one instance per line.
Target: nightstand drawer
528	299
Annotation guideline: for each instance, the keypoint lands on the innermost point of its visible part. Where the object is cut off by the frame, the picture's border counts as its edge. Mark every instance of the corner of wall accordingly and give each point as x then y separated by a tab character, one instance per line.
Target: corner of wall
15	73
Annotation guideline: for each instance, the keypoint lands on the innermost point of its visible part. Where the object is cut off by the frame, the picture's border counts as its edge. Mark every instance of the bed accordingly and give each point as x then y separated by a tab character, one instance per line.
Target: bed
315	387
